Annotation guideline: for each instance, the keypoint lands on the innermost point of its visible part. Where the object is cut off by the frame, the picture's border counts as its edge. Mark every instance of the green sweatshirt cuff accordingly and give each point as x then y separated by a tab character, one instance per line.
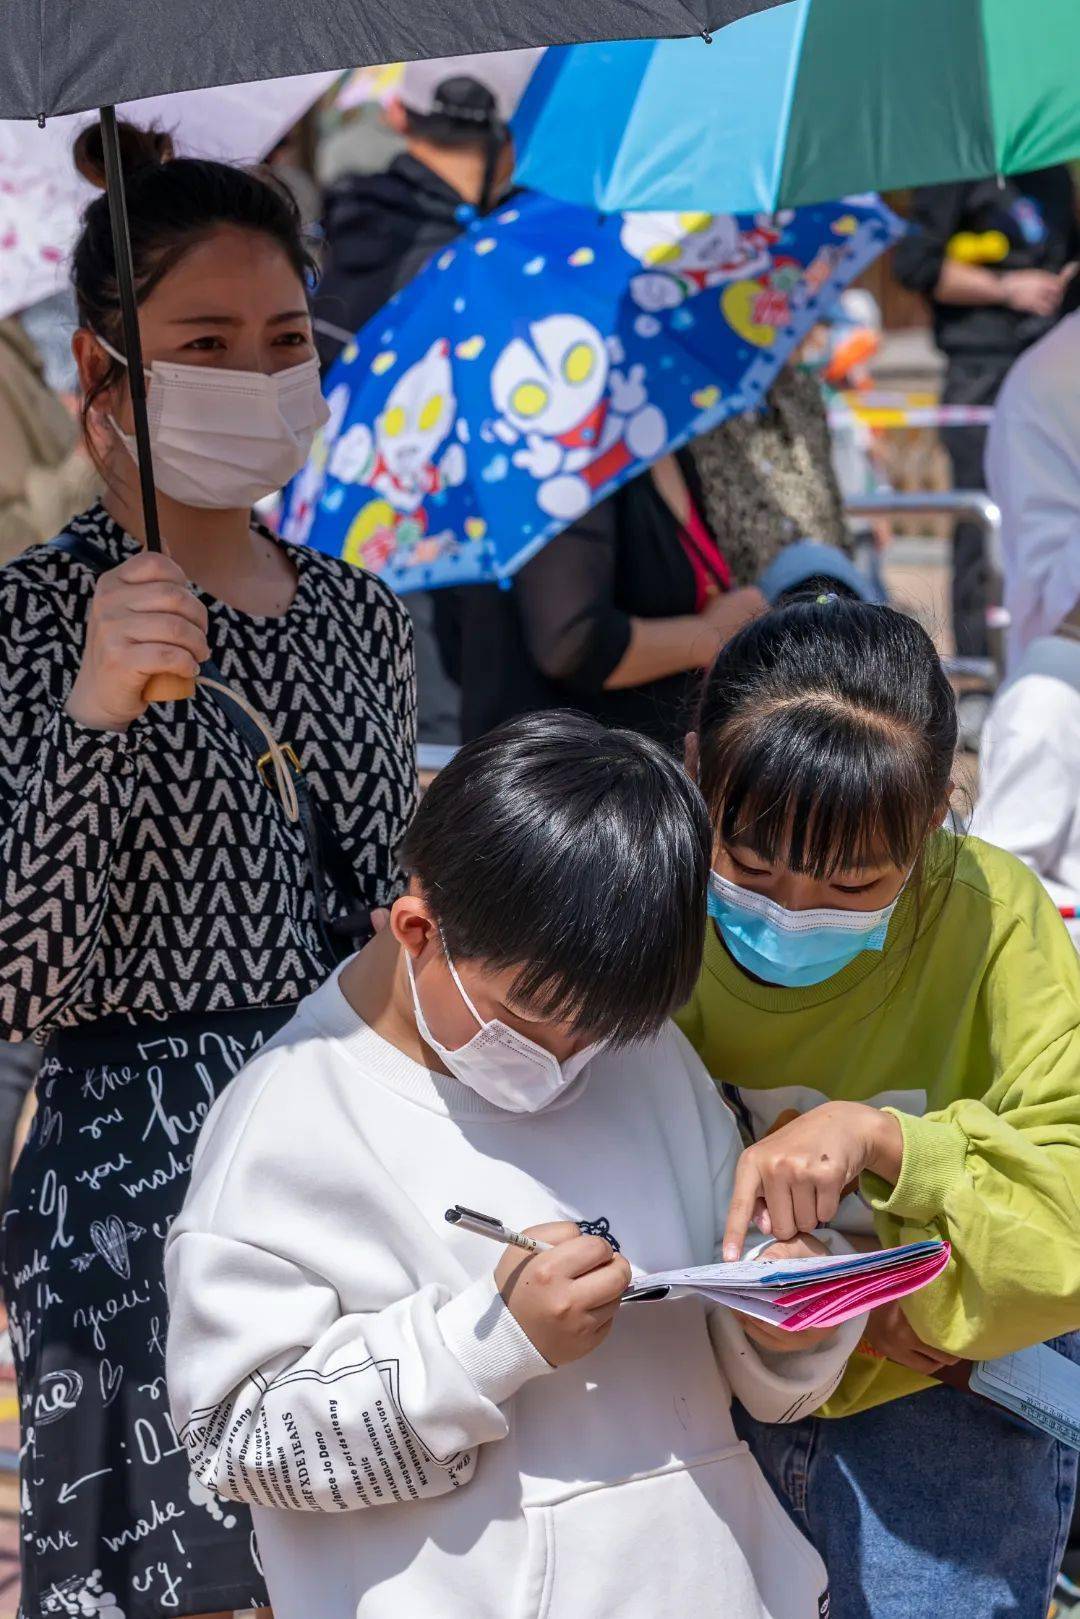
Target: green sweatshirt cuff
933	1163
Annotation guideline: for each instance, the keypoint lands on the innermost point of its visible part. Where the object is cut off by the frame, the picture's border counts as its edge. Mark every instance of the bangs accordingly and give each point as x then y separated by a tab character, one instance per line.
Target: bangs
569	922
609	983
822	787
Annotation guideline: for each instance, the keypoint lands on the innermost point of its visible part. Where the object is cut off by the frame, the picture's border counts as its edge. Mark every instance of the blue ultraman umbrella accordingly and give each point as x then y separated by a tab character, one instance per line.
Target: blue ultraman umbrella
546	358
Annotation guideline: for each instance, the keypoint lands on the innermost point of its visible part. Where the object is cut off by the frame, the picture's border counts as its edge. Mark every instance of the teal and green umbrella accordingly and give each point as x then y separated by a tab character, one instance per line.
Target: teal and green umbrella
809	100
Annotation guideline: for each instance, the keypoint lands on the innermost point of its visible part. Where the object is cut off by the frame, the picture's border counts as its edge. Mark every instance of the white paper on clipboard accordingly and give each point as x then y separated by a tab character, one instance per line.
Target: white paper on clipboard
1038	1384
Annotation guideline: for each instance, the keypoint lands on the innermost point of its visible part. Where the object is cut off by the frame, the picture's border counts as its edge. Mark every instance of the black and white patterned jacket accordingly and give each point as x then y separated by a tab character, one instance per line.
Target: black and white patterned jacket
153	872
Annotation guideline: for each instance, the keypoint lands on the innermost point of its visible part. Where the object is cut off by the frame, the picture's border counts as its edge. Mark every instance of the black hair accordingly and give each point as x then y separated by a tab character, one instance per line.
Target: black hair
826	735
579	856
814	588
465	114
172	204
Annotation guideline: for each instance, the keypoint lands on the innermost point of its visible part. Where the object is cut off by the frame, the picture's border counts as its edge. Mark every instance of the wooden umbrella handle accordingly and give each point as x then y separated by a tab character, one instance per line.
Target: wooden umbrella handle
168	689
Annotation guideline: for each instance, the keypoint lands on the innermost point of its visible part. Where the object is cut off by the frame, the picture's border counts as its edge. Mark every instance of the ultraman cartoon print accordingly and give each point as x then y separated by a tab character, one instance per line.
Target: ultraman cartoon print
578	420
403	462
547	357
687	253
309	481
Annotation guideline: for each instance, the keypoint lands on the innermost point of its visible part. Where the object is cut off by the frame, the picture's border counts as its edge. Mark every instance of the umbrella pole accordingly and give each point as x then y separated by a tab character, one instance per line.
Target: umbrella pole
129	314
160	688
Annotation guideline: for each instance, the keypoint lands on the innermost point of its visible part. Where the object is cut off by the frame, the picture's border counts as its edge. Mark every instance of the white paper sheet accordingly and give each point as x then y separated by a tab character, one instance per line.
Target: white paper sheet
774	1277
1038	1384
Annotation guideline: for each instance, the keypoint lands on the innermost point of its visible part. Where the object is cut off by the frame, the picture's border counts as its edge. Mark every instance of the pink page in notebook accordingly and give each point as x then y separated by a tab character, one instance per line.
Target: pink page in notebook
813	1292
840	1305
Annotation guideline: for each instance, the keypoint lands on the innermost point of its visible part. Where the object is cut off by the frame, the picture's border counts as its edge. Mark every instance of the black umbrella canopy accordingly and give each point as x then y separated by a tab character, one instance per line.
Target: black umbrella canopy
62	56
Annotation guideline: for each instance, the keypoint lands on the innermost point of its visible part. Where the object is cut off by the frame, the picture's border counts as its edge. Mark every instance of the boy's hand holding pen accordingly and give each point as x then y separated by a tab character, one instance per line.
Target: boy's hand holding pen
563	1289
563	1283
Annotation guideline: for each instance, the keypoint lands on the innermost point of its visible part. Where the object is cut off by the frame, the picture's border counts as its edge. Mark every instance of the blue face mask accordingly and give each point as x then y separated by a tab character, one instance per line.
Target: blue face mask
792	948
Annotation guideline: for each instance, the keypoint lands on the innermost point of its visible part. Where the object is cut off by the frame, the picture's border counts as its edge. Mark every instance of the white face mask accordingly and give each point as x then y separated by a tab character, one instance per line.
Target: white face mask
226	439
504	1067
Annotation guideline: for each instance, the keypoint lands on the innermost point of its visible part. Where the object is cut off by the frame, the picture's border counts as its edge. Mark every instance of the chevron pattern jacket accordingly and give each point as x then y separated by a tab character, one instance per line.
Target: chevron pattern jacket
153	872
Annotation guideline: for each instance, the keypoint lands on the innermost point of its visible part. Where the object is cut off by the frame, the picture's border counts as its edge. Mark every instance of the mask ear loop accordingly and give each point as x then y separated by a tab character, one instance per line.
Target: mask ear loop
462	991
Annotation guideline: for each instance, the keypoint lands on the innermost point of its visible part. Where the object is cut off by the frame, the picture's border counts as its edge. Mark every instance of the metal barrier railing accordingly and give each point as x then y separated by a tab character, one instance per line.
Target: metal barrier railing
885	411
971	503
975	503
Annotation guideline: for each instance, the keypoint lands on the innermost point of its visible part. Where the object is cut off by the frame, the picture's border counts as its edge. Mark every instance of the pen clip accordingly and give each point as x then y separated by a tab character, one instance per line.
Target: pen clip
459	1209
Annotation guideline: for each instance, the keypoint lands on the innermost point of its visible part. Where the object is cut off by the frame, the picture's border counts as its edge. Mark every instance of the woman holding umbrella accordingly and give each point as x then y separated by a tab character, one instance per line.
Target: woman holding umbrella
163	906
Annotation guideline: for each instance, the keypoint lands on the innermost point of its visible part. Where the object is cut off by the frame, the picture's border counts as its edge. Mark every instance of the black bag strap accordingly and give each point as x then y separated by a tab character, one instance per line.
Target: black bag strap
326	858
341	935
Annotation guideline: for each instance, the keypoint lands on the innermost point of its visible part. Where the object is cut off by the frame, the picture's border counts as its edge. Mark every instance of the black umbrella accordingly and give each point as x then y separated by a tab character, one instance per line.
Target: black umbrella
71	55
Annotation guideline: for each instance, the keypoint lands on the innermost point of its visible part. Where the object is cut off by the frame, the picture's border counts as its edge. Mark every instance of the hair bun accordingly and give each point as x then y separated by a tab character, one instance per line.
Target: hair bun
139	149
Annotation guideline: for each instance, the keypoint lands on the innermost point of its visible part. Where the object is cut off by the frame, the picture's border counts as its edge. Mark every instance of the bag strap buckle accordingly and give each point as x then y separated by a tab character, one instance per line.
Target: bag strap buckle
288	752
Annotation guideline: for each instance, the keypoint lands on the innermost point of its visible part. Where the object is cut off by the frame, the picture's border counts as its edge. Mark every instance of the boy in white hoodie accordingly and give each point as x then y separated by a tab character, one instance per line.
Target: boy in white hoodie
426	1428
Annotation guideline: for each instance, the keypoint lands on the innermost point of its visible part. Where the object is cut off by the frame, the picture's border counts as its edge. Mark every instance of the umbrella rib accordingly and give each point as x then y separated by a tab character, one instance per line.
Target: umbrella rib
790	85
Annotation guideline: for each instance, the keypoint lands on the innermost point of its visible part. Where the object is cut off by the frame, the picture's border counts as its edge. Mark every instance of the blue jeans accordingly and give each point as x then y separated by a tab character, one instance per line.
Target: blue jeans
936	1506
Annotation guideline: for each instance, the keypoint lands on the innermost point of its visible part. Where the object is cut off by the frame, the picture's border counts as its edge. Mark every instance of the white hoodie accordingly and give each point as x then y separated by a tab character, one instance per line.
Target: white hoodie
1029	768
336	1346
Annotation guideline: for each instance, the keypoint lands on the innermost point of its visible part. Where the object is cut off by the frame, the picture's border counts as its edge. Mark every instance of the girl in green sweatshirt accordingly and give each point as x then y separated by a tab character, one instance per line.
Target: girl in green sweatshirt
894	1014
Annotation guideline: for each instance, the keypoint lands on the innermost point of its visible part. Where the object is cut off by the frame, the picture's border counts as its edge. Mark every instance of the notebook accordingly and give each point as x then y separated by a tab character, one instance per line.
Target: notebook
799	1293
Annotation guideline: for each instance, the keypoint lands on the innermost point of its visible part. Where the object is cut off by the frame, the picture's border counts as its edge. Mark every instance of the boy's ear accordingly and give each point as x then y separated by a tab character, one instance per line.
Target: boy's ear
690	755
412	923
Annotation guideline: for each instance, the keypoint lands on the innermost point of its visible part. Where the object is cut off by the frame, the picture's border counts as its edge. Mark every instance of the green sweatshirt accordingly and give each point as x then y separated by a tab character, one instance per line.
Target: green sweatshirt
967	1027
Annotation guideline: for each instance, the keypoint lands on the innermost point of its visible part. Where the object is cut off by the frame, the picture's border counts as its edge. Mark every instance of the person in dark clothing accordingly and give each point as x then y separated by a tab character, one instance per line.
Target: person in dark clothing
616	616
382	229
994	258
